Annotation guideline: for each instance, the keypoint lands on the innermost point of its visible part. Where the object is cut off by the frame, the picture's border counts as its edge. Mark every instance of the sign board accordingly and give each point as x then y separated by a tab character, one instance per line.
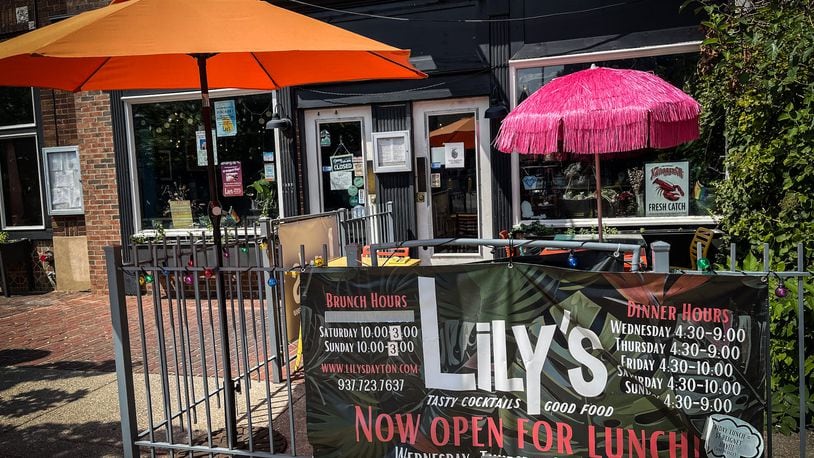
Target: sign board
342	163
232	178
667	188
391	152
225	118
482	360
63	180
181	213
454	157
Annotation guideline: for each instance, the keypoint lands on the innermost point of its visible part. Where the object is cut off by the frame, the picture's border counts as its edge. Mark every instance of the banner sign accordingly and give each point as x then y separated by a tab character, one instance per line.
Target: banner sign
529	360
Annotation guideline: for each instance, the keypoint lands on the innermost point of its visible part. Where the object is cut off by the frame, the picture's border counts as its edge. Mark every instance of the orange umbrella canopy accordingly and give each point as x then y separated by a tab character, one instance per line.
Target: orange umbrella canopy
462	130
146	44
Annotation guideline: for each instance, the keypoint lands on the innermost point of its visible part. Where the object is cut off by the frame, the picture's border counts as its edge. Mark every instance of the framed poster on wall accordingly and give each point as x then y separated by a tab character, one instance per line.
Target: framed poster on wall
63	184
391	152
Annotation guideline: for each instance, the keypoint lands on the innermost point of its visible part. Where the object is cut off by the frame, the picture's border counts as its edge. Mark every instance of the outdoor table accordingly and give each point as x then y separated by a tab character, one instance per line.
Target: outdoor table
384	261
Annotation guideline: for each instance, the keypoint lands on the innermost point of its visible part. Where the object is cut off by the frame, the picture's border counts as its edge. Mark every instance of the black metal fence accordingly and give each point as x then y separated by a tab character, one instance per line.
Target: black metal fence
210	370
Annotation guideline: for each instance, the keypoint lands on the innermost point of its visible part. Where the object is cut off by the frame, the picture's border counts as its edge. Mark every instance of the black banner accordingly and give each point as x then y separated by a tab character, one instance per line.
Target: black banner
527	360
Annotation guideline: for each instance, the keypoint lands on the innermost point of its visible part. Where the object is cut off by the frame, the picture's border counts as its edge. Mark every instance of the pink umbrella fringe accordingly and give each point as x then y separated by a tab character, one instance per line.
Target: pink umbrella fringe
601	110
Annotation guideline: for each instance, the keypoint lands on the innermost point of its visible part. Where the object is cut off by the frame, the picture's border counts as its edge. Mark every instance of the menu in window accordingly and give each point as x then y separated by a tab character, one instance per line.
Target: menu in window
65	187
181	212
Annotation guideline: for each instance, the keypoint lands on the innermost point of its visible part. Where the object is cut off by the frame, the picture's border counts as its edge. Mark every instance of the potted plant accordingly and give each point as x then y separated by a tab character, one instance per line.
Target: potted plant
264	197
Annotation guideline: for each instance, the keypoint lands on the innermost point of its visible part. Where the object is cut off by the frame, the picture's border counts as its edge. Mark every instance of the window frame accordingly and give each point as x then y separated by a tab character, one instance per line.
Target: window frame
34	113
43	212
578	58
130	100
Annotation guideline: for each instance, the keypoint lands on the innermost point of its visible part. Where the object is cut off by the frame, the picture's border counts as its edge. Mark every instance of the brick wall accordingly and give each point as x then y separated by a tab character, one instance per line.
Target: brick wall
96	158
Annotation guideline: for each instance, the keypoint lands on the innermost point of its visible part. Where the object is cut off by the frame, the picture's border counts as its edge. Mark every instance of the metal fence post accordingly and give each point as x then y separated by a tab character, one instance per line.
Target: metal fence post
268	263
801	356
661	256
121	350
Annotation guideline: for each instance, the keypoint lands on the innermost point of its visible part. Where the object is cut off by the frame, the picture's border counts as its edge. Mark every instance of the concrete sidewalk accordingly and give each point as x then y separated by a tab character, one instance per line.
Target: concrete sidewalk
58	388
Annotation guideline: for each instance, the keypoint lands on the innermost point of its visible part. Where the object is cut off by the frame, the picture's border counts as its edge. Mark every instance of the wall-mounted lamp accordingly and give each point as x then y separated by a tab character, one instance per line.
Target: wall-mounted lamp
498	111
276	122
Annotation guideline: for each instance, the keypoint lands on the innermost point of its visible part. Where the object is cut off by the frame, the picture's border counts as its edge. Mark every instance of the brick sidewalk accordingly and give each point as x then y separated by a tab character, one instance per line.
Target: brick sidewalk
69	331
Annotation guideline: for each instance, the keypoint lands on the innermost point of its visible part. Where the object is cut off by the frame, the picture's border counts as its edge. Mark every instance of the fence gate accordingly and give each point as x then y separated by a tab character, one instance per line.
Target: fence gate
176	344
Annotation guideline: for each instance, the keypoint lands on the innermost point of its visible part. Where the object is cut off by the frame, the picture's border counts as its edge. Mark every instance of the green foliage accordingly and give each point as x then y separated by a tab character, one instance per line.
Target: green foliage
265	195
784	347
534	229
4	237
756	87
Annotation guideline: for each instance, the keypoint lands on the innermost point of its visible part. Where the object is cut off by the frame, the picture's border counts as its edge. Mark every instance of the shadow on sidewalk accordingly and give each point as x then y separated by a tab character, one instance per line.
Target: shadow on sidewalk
63	440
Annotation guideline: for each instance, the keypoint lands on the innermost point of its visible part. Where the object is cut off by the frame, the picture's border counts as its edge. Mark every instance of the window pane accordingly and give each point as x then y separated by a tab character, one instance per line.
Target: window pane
453	178
553	188
16	106
169	166
20	168
343	178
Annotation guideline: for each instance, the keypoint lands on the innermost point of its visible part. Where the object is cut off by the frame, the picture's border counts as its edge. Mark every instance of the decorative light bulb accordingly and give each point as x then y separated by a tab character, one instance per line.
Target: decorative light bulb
188	279
263	245
703	264
244	249
209	273
141	280
148	278
272	282
191	262
781	291
572	260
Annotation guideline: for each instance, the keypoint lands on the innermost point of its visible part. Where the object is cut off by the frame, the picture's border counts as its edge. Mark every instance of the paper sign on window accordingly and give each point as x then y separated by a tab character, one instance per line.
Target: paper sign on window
454	155
225	118
200	144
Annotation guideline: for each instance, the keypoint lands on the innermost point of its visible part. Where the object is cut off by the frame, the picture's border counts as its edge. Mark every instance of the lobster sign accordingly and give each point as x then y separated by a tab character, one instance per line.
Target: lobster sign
666	189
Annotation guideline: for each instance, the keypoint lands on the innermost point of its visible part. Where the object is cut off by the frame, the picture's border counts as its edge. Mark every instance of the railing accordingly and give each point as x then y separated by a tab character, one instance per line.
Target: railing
178	351
375	225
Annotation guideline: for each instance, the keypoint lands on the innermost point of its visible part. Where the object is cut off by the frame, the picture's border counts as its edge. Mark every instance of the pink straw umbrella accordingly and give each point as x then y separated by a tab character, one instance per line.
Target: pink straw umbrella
600	111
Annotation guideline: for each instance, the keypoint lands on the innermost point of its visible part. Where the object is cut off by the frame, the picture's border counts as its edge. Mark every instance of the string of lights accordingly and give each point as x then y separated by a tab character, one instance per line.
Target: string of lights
474	21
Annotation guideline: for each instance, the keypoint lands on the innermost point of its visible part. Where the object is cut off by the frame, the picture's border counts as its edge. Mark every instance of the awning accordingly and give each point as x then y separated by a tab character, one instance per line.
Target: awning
662	37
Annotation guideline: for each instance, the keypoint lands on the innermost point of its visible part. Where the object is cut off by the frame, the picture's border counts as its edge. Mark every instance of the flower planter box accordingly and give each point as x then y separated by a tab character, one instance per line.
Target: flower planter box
577	208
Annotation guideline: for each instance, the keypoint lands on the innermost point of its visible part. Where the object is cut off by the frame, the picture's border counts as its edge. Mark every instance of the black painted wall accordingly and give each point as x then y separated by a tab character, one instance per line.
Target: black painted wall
397	187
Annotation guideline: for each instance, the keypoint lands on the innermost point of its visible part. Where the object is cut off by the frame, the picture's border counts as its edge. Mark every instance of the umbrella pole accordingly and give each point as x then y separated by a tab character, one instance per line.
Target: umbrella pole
598	194
215	212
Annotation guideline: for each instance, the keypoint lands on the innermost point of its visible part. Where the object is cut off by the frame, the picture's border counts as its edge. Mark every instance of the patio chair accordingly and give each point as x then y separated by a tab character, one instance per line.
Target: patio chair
703	235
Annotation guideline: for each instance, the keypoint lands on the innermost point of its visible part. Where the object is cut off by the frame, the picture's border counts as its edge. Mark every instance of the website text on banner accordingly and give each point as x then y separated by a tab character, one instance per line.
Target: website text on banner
533	361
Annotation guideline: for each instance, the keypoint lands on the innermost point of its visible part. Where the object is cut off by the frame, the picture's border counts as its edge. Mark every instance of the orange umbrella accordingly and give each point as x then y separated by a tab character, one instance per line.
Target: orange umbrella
462	130
147	44
177	44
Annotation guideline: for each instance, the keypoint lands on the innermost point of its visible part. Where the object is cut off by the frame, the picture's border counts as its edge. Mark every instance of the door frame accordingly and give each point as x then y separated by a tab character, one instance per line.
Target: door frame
421	111
314	170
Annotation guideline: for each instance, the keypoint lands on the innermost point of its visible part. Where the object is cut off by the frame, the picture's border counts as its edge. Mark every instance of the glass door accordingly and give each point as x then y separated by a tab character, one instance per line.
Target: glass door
455	177
337	141
342	165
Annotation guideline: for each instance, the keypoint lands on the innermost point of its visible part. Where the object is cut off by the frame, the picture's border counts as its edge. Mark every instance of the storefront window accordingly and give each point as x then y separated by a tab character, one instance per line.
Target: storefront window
20	173
343	168
453	178
171	158
554	187
16	107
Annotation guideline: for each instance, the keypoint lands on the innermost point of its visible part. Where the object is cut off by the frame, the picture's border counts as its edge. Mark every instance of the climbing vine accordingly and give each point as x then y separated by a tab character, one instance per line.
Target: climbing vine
756	86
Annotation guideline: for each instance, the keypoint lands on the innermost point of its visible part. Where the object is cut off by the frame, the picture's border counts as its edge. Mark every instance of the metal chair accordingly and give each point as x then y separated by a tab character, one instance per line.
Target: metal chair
704	236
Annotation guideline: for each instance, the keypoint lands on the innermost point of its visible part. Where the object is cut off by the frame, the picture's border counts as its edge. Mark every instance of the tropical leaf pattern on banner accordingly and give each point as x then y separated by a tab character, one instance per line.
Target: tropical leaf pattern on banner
596	324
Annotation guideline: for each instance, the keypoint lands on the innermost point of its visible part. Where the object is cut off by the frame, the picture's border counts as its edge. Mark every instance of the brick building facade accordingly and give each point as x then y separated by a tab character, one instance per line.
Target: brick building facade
71	119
